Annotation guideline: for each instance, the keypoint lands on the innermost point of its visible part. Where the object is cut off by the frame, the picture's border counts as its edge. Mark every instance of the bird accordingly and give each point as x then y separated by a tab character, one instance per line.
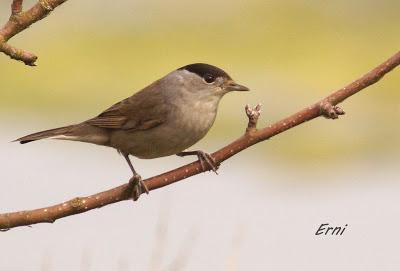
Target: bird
165	118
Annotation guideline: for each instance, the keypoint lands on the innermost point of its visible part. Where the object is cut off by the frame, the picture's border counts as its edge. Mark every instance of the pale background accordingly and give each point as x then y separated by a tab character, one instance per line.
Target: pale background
263	209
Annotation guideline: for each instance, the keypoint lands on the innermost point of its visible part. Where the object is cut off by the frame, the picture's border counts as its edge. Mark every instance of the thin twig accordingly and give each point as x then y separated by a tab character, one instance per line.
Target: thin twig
16	7
120	193
253	114
20	20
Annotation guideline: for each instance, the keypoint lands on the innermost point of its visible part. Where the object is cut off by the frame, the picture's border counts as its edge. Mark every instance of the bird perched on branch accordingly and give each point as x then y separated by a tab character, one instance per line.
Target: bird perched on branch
165	118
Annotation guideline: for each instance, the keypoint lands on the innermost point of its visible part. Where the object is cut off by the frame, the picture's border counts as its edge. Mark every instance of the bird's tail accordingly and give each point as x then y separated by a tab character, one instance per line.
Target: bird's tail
57	133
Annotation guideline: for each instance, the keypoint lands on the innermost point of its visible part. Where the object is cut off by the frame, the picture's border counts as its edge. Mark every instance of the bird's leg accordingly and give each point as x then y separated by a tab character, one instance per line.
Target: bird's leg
138	186
206	160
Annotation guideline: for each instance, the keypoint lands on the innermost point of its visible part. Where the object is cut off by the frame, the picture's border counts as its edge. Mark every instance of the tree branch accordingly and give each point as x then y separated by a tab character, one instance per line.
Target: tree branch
20	20
326	107
16	7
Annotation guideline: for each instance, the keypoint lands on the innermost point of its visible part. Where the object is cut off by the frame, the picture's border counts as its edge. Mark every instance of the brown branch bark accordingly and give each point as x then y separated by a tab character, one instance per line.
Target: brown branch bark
326	107
16	7
20	20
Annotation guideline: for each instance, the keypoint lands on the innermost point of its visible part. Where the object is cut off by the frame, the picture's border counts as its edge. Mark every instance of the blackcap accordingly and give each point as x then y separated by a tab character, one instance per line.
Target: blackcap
165	118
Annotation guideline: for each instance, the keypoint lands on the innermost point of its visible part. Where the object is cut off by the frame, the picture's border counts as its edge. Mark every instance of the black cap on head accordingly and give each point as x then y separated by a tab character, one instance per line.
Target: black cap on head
203	70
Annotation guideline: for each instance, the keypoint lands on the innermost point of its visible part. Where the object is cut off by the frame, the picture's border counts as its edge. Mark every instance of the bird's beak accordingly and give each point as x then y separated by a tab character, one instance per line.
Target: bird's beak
232	86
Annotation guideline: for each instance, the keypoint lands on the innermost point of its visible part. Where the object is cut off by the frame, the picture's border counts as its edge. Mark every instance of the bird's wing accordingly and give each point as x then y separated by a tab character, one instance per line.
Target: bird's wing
142	111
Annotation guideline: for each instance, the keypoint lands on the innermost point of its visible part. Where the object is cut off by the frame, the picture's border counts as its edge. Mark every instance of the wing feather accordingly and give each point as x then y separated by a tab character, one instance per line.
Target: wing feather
111	122
142	111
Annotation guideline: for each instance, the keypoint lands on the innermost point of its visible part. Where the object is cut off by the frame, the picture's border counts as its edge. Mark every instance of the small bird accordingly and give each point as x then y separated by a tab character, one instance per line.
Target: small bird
165	118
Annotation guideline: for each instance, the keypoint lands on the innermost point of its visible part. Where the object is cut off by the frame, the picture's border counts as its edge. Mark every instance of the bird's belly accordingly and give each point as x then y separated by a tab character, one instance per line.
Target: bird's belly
167	139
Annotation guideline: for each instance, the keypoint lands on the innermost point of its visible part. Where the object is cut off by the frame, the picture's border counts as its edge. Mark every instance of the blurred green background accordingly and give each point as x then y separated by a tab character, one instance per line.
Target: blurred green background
290	53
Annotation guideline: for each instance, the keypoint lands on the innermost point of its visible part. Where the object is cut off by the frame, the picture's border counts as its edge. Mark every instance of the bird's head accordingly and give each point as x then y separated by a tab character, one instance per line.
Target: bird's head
207	80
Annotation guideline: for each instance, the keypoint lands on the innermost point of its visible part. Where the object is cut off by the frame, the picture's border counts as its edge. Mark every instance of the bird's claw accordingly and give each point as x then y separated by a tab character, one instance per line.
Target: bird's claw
138	187
207	160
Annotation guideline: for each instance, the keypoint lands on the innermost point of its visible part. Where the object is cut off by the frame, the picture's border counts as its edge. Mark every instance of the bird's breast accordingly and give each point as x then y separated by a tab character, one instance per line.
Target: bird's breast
196	118
185	125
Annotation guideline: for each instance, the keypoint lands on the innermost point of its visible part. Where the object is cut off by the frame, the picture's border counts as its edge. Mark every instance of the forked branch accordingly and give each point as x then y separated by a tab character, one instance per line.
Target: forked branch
20	20
326	107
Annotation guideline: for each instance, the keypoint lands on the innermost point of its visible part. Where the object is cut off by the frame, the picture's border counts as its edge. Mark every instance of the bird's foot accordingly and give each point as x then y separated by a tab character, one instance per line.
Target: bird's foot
206	160
138	187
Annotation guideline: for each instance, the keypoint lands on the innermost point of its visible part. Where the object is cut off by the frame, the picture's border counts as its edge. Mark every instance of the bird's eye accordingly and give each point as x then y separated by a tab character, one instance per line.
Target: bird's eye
209	78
